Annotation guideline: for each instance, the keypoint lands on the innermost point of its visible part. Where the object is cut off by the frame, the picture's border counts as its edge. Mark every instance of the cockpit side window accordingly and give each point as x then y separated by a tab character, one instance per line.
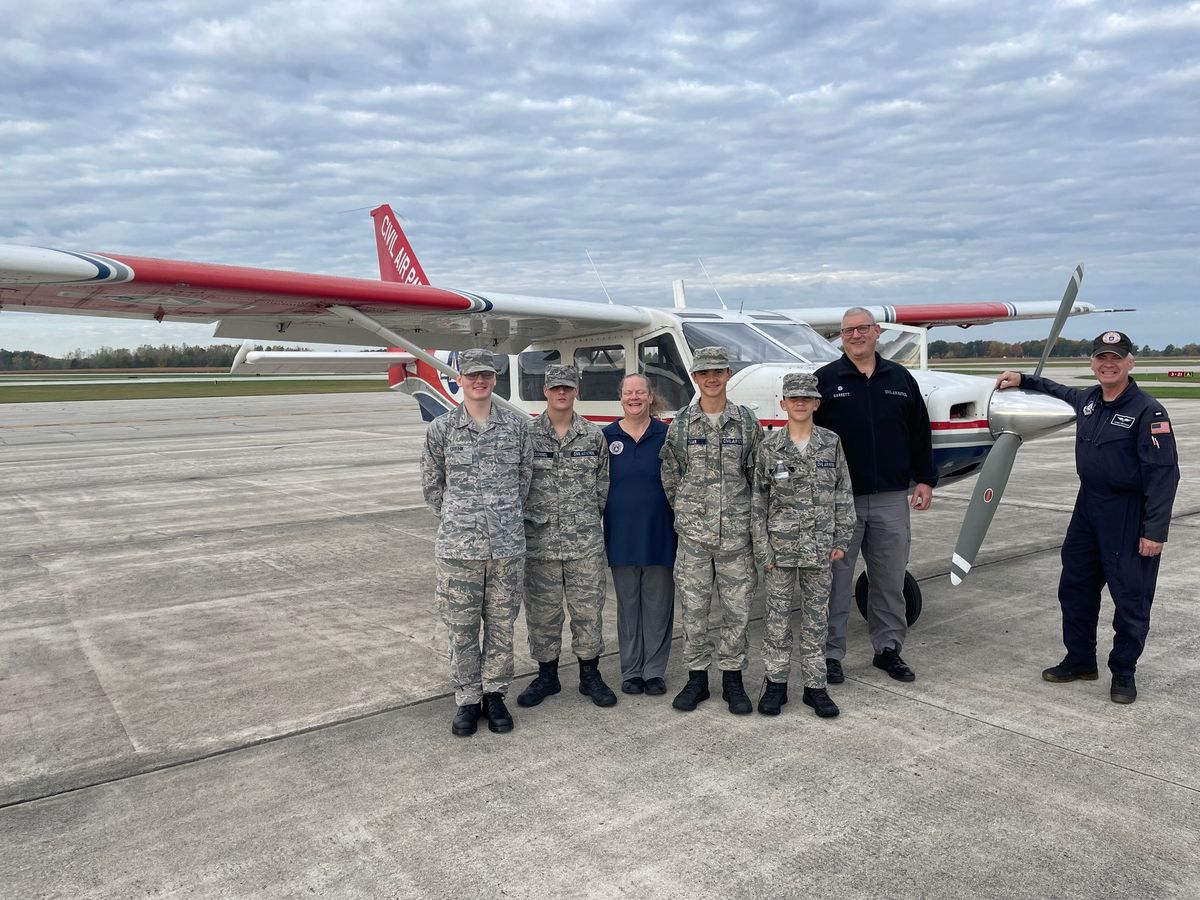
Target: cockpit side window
600	371
532	367
659	361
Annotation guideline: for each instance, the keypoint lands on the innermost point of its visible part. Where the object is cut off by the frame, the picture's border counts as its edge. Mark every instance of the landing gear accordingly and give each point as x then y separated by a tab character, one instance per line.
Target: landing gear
912	597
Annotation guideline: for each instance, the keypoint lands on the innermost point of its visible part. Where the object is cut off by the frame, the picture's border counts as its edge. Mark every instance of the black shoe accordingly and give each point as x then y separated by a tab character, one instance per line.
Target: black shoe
1065	672
466	720
656	686
734	694
821	702
889	660
592	685
694	692
773	697
633	686
500	720
833	671
545	685
1123	689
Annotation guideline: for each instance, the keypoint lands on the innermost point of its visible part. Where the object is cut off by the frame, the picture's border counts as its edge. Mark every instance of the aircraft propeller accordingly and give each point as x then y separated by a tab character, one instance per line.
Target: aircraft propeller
1012	420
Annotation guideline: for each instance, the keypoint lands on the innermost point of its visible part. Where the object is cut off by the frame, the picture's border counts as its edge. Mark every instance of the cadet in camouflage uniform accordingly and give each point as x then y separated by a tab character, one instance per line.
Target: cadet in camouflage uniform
475	474
565	541
707	464
802	517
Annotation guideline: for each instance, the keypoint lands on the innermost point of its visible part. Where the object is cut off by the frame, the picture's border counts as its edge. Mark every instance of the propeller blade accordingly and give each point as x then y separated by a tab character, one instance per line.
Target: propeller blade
993	478
1064	311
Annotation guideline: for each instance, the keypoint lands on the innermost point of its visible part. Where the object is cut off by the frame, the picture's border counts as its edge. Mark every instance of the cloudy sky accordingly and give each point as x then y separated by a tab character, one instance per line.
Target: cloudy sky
812	153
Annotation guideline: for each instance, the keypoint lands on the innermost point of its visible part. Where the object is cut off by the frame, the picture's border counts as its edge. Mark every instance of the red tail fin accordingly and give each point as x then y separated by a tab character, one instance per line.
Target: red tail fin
397	262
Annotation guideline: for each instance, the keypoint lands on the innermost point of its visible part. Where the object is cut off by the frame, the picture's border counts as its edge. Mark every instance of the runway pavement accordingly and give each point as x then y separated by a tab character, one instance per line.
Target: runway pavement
222	674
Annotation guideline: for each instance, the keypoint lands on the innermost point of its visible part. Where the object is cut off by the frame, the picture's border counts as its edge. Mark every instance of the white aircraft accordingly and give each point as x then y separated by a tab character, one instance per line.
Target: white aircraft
603	340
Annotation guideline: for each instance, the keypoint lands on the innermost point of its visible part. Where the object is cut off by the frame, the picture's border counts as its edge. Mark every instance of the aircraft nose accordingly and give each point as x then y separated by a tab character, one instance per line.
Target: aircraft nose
1026	414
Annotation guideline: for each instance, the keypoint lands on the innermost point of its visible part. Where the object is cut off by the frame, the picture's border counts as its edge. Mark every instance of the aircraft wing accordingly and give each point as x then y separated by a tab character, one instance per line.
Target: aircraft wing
827	320
267	305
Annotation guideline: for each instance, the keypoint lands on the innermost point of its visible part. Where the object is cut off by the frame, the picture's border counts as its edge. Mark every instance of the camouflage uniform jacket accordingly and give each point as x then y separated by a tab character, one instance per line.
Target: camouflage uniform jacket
475	479
711	498
570	486
803	503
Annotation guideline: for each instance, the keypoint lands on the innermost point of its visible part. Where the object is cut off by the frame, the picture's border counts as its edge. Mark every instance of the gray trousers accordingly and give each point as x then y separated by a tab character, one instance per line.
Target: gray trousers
645	615
882	533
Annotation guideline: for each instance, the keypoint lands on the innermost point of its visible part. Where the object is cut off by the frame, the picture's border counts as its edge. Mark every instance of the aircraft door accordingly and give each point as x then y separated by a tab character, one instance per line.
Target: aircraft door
660	362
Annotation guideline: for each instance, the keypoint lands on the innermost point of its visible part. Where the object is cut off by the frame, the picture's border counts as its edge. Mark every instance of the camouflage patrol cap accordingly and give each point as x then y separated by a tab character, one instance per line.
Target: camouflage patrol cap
476	360
710	358
800	384
567	376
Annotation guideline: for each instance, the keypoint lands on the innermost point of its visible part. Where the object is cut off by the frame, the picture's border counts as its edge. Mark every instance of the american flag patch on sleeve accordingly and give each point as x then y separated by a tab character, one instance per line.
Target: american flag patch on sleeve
1160	427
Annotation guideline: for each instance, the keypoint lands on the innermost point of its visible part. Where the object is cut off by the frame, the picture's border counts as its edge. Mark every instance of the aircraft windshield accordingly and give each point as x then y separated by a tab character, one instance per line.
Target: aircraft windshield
803	340
745	345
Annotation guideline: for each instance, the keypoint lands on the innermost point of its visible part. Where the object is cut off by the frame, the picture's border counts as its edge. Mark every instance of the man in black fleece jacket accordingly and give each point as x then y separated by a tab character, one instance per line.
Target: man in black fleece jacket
877	410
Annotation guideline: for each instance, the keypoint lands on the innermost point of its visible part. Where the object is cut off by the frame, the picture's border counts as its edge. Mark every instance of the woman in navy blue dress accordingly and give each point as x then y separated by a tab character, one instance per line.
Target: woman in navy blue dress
639	535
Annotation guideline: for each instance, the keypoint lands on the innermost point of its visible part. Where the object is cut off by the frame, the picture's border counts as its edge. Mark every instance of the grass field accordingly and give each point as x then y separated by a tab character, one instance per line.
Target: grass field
135	390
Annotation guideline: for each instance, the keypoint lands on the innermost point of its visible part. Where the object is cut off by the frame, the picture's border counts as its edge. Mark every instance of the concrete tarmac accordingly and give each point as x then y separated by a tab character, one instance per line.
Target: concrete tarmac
222	674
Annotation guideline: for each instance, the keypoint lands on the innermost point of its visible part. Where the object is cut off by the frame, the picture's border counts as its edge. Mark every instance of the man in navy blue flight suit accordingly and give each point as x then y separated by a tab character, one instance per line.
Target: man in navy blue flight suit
1128	471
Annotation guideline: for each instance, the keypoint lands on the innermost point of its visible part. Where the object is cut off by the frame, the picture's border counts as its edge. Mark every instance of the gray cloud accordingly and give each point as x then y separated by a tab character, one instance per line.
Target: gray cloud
812	153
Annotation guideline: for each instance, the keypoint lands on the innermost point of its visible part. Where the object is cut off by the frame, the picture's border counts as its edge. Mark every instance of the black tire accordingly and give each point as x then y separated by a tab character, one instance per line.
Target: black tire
912	597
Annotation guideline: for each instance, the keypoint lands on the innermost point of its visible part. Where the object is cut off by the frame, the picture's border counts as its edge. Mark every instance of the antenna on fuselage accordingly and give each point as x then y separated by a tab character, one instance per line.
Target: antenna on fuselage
677	292
710	283
598	278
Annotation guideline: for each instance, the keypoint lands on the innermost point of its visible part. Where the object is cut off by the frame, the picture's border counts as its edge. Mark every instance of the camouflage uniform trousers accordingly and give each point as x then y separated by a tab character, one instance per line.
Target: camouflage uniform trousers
581	582
782	584
474	592
697	569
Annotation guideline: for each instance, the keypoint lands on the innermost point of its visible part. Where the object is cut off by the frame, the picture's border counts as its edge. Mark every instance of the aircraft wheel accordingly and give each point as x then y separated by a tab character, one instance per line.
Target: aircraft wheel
912	597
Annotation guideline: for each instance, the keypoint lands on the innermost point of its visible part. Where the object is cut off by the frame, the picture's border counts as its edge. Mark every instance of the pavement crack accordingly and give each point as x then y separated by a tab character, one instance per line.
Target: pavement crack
1016	732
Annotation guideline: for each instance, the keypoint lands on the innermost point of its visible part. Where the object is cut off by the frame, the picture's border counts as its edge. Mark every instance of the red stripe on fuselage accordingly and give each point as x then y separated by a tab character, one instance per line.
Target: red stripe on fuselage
974	423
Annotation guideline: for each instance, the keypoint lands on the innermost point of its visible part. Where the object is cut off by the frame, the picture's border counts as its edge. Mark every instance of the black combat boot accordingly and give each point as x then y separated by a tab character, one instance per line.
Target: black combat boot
592	685
465	720
694	692
734	694
499	718
1066	671
773	698
1124	689
543	686
821	702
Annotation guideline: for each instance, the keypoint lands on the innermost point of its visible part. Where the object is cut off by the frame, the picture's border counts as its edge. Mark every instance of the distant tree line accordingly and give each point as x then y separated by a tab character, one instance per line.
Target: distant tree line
187	356
1033	349
166	356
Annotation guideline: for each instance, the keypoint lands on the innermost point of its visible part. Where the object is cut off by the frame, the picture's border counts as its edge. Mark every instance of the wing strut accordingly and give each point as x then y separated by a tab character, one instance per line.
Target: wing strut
366	322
